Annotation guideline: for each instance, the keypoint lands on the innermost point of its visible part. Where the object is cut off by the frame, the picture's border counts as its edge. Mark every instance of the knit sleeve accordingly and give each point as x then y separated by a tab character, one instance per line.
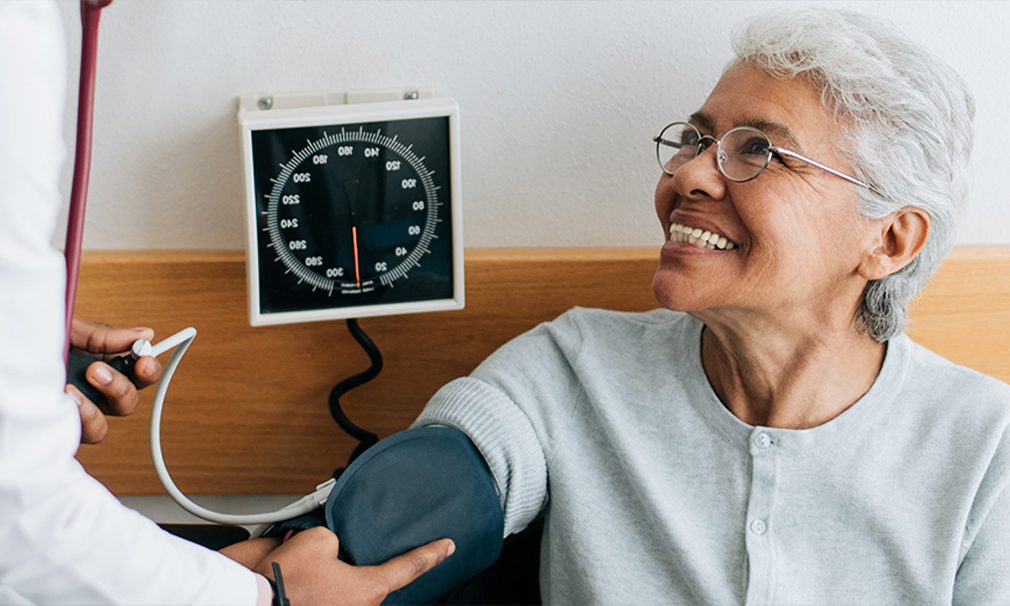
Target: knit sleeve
514	407
982	576
504	437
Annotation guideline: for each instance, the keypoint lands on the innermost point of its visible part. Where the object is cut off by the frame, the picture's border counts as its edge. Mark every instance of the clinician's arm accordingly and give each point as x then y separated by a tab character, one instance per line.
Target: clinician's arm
63	537
104	341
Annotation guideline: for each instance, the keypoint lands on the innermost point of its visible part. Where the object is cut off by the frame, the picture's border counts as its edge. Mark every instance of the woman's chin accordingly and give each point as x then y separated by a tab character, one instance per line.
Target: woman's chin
674	292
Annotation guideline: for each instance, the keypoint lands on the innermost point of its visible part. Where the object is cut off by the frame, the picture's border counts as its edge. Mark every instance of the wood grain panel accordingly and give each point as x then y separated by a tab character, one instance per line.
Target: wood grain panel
247	412
964	312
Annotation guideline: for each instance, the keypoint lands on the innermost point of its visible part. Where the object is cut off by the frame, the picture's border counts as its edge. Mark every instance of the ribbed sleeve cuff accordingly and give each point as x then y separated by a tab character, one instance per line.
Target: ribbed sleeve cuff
503	434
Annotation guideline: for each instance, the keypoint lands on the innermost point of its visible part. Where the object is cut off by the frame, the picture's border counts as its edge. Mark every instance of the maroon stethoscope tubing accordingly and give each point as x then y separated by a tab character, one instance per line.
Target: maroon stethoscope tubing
90	13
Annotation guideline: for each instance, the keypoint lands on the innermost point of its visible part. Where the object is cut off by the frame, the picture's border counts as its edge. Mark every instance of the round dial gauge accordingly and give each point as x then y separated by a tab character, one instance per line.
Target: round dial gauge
354	219
374	188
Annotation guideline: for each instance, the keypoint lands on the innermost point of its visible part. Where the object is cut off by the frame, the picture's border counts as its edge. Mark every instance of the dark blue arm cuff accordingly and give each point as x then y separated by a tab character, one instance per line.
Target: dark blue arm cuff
412	488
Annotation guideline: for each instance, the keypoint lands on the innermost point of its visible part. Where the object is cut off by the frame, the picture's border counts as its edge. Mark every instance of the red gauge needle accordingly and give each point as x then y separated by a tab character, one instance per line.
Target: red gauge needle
357	272
351	188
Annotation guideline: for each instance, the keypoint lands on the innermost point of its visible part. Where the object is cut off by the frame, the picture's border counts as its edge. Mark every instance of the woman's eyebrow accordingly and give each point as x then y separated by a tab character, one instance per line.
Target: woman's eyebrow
703	120
780	134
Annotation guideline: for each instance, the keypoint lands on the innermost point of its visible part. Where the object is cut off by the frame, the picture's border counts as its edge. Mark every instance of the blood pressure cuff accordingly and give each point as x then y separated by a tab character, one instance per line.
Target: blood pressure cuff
412	488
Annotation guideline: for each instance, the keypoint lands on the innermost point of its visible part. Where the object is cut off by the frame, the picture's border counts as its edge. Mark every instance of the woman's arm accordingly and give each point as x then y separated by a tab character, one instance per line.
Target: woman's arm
983	577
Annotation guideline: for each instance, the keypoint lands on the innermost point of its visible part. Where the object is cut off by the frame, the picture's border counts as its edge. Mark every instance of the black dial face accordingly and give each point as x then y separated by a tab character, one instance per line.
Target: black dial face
353	214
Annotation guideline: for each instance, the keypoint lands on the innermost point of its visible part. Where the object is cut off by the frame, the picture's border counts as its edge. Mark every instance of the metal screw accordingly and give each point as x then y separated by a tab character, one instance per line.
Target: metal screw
265	103
410	95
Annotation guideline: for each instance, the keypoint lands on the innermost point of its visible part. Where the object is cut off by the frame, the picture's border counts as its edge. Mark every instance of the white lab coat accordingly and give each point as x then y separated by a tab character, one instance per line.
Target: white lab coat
63	537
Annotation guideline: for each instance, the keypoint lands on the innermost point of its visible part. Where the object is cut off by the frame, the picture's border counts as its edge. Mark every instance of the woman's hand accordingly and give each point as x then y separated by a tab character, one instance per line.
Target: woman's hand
105	342
313	574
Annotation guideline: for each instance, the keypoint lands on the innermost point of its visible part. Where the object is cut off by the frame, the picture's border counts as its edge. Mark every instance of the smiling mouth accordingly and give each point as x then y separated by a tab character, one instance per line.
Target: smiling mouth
700	237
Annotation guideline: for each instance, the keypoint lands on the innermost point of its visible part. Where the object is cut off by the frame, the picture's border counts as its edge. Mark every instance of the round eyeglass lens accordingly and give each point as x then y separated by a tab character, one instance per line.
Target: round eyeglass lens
676	145
743	153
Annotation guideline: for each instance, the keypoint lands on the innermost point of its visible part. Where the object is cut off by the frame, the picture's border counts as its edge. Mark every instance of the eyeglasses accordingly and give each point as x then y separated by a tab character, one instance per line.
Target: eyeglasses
741	154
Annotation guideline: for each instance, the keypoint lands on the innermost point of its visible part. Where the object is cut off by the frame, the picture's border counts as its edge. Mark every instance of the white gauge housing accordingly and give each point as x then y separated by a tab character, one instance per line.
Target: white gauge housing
353	210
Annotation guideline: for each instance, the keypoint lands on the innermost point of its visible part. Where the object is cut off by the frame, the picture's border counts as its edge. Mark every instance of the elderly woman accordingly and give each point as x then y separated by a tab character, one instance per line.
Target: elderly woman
771	435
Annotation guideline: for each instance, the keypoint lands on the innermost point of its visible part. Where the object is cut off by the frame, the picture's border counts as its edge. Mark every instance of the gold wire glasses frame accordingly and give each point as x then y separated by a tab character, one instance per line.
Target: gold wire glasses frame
741	154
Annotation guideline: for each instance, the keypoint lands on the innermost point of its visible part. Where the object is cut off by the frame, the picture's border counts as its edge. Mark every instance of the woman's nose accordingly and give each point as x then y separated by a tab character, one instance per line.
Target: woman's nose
700	178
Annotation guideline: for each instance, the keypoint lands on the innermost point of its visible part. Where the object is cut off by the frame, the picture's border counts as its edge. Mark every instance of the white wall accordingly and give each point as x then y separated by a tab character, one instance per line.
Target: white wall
559	101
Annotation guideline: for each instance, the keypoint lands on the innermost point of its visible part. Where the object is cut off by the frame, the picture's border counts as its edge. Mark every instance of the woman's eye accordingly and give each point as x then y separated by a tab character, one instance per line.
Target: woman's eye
755	146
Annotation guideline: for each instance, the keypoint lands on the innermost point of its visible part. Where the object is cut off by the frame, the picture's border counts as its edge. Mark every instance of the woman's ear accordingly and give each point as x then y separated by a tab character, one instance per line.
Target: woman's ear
896	241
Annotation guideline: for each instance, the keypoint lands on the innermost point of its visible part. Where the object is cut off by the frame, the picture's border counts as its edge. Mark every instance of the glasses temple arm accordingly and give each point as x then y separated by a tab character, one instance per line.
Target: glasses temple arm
801	157
661	141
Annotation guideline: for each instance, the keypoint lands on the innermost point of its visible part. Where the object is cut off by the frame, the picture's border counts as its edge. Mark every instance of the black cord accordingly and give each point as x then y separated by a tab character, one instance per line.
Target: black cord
280	595
365	438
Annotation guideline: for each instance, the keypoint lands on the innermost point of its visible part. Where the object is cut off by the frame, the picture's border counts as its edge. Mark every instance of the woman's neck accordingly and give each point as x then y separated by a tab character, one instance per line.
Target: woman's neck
778	378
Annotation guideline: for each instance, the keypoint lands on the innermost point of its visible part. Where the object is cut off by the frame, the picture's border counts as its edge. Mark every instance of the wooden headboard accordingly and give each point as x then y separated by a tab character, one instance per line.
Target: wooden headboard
247	411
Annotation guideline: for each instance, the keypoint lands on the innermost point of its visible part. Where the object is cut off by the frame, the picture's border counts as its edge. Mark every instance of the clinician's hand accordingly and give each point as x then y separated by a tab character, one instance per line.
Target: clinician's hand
313	574
105	342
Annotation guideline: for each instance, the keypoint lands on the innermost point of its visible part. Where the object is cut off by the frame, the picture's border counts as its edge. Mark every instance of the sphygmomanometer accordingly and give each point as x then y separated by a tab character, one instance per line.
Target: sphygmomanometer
353	207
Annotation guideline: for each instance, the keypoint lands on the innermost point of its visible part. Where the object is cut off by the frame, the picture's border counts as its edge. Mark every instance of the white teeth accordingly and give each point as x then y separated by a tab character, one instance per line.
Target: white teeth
699	237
